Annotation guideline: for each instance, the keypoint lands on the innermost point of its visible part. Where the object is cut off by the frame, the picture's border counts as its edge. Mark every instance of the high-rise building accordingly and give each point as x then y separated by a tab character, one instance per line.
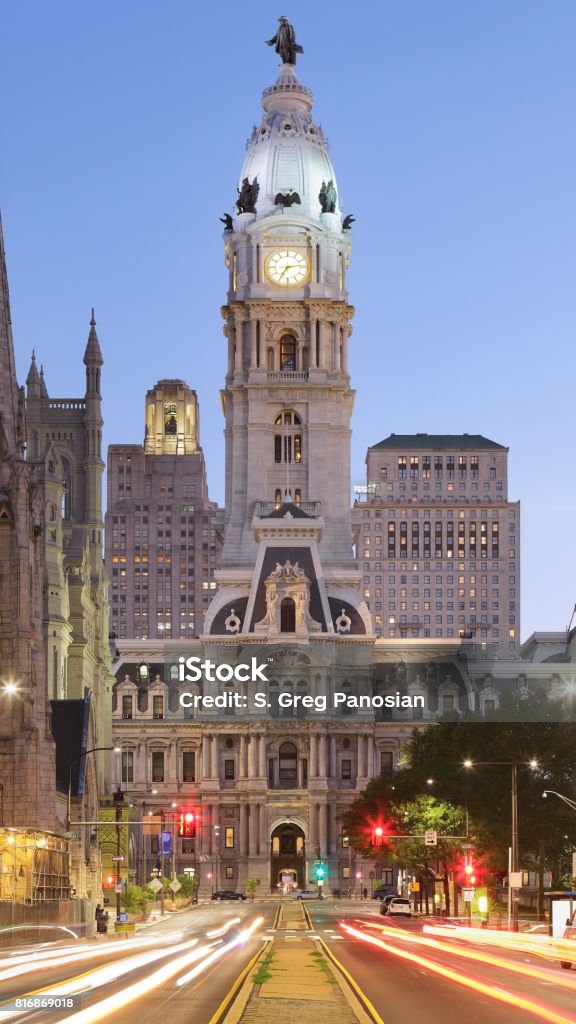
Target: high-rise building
161	543
439	541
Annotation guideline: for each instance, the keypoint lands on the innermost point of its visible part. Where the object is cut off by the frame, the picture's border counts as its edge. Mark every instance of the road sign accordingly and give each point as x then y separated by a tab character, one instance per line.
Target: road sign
468	895
415	887
117	888
155	885
175	885
515	881
69	835
431	838
372	875
119	858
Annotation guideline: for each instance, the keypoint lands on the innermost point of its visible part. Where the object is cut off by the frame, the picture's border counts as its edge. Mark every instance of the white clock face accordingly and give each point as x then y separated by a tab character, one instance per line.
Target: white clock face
287	267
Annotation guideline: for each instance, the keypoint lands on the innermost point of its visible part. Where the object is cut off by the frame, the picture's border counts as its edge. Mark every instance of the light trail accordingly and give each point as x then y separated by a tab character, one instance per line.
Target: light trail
226	927
539	945
514	999
476	955
50	959
219	953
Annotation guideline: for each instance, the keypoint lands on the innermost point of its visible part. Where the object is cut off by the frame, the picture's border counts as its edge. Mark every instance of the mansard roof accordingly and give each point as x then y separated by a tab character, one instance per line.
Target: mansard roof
438	442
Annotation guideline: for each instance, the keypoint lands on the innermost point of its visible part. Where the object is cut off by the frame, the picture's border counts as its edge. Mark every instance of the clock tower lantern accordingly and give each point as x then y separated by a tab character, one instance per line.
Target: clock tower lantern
287	399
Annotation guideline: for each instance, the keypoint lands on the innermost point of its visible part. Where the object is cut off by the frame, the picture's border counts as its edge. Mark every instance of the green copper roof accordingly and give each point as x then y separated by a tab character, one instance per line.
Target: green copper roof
434	442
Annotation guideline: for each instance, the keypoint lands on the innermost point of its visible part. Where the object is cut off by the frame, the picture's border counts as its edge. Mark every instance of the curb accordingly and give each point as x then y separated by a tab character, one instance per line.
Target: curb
360	1005
234	1003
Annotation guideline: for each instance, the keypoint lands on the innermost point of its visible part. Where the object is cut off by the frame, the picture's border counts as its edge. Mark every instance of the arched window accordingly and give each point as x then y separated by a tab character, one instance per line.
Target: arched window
287	763
288	353
288	443
287	616
277	497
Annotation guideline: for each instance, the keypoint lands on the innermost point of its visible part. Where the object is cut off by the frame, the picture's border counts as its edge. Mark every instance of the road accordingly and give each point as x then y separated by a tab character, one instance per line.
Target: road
157	976
424	979
179	970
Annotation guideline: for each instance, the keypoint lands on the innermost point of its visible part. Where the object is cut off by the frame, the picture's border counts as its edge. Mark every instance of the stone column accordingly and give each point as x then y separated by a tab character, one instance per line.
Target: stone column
370	756
214	758
251	741
323	829
252	831
333	760
253	336
313	838
312	767
264	845
322	362
230	349
243	830
206	822
205	756
242	765
323	759
262	757
361	756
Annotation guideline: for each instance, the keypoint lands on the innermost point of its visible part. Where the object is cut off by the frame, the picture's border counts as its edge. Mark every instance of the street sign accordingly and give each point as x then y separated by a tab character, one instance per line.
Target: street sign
468	895
431	837
320	882
415	887
175	885
189	871
117	888
155	885
372	875
119	858
515	881
69	835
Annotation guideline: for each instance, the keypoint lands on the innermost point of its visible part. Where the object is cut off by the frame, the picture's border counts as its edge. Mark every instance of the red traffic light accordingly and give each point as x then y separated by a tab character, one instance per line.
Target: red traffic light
187	824
378	834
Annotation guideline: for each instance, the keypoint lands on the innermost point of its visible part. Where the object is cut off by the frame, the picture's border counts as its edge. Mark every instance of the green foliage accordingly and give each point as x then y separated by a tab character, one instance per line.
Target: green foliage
135	899
251	885
263	973
189	885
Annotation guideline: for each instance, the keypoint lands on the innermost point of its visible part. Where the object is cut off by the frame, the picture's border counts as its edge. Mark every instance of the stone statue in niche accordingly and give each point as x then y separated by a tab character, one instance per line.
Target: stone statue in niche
247	196
327	197
170	426
284	42
287	581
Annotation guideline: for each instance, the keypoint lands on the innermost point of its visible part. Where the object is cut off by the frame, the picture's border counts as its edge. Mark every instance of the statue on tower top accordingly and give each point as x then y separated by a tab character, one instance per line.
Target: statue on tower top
284	42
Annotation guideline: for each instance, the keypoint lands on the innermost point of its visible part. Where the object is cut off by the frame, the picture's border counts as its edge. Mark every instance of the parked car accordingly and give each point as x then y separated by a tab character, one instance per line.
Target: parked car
382	892
397	906
228	894
307	894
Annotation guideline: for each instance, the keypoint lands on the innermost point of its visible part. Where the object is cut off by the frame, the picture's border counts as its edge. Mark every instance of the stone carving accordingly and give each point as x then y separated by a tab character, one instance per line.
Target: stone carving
288	571
287	581
287	199
232	623
247	196
343	622
284	42
348	222
327	197
227	222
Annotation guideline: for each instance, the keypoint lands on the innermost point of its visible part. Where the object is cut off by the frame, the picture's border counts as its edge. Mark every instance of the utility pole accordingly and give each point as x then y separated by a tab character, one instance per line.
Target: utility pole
514	841
162	893
118	802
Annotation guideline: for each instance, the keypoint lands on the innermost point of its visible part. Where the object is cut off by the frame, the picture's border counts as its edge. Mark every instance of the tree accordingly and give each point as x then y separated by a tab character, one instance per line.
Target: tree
251	886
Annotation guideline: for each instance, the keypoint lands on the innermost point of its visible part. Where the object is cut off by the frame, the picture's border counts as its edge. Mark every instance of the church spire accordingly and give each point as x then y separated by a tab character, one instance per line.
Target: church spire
11	399
93	355
33	379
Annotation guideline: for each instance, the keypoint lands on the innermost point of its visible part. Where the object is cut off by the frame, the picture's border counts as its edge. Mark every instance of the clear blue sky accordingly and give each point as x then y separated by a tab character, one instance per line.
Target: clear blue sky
452	132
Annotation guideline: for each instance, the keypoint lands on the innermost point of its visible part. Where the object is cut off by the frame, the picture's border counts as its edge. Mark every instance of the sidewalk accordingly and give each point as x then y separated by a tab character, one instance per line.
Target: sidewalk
294	982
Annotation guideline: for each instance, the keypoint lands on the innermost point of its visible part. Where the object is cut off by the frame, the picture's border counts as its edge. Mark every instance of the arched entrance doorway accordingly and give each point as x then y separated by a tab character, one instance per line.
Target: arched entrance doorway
287	616
288	856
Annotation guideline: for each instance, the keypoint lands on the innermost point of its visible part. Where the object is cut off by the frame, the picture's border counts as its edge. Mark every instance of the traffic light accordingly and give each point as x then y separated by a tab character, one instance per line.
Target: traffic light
187	824
378	834
470	873
320	871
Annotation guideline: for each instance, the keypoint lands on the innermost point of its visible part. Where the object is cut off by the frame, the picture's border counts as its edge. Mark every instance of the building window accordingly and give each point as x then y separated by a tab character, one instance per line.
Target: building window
229	768
448	702
386	762
287	616
158	707
127	766
188	766
345	871
288	444
229	871
287	763
158	766
401	467
347	769
229	838
288	353
126	707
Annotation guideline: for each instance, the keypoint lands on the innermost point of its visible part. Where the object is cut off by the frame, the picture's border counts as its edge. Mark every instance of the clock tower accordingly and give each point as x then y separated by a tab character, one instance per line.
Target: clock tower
287	399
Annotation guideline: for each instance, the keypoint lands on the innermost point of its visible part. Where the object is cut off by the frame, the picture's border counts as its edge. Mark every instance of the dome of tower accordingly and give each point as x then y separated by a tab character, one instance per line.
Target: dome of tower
287	152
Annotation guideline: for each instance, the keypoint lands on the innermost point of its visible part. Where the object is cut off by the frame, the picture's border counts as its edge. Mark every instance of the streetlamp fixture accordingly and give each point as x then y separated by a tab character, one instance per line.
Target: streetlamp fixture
533	764
566	799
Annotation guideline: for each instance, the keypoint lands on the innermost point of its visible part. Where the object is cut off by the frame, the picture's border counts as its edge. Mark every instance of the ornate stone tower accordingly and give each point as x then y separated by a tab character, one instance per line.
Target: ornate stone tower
287	400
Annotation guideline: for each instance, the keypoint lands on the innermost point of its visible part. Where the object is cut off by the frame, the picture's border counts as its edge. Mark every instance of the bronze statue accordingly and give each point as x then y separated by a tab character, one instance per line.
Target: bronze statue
328	197
348	222
287	199
284	42
227	222
247	196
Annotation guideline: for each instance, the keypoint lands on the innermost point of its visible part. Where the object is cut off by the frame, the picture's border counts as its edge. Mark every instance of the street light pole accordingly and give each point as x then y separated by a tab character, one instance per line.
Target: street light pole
118	802
162	894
